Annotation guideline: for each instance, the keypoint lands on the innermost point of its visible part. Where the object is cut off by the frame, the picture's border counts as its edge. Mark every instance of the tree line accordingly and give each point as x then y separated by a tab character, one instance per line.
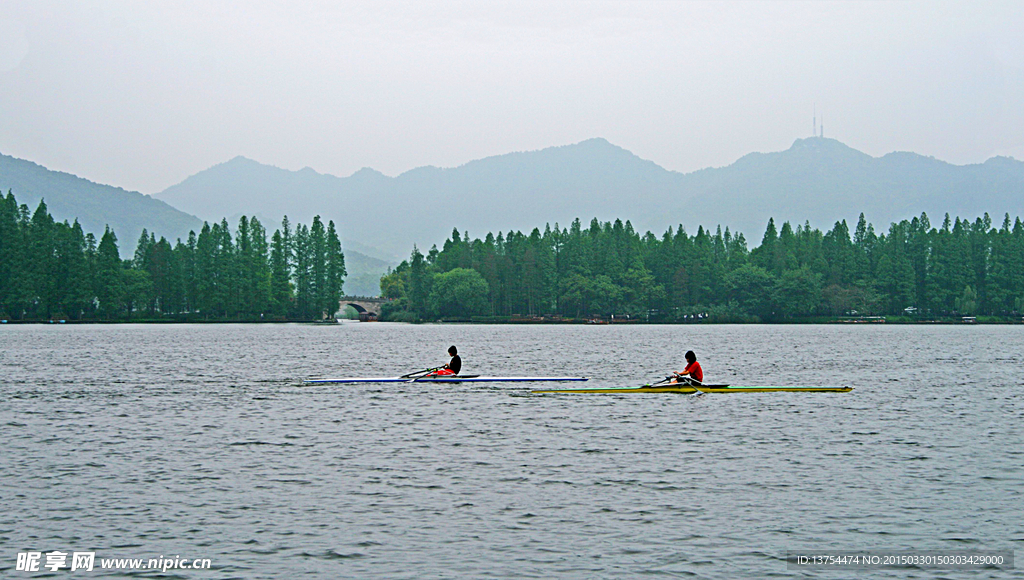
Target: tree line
51	270
960	268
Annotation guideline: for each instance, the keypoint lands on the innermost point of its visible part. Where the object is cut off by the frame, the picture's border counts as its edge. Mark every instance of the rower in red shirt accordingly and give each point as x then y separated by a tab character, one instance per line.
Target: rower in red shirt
692	372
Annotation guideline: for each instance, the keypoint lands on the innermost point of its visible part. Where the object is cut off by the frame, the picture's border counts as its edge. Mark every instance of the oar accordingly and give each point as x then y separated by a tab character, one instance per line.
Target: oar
424	371
697	387
664	380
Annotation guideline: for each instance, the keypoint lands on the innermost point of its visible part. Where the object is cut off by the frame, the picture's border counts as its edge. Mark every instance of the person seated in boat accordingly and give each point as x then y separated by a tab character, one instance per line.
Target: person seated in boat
692	373
454	366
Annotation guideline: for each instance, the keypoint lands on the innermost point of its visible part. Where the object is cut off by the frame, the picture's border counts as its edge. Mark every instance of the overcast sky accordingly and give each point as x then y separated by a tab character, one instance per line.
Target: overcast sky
144	94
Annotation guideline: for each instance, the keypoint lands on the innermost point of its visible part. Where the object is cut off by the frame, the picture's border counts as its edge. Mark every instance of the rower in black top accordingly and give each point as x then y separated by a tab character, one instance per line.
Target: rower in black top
454	366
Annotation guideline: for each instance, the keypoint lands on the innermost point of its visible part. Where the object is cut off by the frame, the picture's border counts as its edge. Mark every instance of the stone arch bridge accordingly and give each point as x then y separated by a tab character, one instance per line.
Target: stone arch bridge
368	307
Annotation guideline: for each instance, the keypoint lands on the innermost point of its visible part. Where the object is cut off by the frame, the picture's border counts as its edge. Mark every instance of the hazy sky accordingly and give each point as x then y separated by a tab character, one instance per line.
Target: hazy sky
143	94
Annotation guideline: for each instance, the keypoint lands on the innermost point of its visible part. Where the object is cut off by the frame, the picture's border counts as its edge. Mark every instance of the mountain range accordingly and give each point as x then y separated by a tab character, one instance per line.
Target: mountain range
380	218
816	179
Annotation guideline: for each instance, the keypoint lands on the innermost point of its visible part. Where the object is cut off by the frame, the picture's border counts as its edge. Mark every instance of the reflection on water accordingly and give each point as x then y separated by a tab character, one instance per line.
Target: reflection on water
199	441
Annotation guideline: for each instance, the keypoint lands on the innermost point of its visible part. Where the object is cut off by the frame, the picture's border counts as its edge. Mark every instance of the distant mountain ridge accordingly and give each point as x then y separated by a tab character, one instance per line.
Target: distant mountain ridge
94	205
515	190
381	217
823	180
816	179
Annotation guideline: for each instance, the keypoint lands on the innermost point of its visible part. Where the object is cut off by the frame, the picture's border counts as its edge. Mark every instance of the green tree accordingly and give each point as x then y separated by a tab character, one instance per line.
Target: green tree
335	270
281	296
894	274
186	260
458	293
751	287
967	303
13	249
576	292
75	276
392	285
419	284
797	292
138	291
110	288
42	265
304	277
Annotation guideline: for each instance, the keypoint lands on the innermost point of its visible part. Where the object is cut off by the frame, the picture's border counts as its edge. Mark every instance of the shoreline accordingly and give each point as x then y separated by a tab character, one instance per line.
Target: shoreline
498	321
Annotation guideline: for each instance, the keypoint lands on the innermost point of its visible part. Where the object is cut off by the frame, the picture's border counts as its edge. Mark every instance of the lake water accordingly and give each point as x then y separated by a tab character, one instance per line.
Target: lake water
199	441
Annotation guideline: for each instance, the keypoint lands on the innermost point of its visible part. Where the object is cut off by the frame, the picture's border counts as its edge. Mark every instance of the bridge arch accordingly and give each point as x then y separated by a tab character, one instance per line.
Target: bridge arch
368	307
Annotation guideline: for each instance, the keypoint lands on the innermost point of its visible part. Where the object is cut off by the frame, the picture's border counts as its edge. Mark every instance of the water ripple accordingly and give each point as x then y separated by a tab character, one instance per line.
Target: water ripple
142	441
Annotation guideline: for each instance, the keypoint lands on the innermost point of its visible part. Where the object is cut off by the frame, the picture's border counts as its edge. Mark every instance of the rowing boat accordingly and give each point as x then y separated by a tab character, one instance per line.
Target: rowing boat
446	379
703	388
